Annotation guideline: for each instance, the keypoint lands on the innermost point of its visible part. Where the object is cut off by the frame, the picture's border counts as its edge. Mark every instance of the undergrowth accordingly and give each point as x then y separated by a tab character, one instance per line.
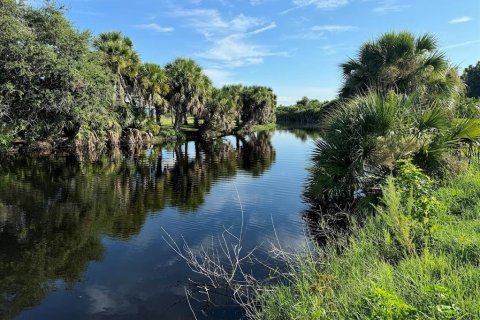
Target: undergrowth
416	257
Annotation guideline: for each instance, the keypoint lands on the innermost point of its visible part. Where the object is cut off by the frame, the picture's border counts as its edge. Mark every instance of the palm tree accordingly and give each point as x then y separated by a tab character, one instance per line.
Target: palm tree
154	86
222	112
363	139
123	61
258	105
234	92
190	89
400	62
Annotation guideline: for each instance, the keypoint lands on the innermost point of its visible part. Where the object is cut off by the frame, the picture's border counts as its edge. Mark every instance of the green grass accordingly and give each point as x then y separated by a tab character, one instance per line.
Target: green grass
166	121
265	127
396	265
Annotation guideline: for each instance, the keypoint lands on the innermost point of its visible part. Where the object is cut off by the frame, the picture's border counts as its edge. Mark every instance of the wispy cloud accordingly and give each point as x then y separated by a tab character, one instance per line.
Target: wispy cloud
272	25
320	4
333	28
155	27
332	49
461	44
235	51
220	77
230	39
319	32
460	20
257	2
389	6
210	22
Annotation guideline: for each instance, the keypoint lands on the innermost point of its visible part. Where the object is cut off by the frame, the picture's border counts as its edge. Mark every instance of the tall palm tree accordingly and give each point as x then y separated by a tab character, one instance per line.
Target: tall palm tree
153	82
400	62
234	92
190	89
123	61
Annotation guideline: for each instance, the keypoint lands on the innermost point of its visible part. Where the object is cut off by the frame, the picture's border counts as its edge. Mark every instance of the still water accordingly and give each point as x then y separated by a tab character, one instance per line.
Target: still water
82	239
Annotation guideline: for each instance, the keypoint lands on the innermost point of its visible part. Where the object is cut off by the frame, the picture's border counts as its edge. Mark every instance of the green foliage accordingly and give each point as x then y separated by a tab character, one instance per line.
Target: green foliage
54	87
244	108
305	111
380	304
223	110
357	148
363	138
299	116
51	85
410	180
471	77
403	63
168	134
258	105
393	265
190	89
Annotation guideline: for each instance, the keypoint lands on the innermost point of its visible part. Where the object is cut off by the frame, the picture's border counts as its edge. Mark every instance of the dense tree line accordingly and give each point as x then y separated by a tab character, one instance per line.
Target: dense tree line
305	111
59	84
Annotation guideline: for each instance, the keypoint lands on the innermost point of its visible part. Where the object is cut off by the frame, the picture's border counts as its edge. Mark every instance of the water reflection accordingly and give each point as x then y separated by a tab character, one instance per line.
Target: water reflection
303	133
54	211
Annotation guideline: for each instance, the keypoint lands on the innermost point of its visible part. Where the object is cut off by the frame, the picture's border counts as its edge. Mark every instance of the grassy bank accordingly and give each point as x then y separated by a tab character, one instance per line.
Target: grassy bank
416	257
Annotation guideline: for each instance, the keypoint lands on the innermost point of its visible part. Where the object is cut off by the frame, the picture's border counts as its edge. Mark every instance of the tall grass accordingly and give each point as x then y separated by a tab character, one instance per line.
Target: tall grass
417	257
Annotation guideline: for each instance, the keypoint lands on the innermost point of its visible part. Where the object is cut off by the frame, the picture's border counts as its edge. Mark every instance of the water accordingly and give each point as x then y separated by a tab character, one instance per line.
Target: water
84	240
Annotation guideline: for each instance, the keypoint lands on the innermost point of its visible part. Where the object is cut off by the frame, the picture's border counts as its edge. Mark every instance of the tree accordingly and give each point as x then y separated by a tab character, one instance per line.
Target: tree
471	77
123	61
47	72
154	86
403	63
190	89
234	93
258	105
363	138
303	103
222	112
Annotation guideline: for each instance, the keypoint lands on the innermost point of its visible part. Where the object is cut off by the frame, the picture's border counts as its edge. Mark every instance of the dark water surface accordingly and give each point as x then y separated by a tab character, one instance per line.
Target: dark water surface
83	240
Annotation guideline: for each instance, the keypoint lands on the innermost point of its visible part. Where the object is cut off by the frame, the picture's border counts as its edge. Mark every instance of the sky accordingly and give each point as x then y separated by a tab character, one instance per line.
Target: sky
293	46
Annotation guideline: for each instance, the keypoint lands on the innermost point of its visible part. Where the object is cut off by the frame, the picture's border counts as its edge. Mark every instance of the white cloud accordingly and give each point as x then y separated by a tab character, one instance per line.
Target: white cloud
333	28
320	4
234	51
331	49
219	77
389	6
272	25
155	27
230	39
461	44
460	20
210	22
318	32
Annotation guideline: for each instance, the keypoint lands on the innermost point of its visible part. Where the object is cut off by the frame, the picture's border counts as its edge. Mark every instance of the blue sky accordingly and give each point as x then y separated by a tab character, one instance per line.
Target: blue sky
293	46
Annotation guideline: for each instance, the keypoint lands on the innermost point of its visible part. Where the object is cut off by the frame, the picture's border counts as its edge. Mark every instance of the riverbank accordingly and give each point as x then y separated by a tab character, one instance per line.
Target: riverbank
423	249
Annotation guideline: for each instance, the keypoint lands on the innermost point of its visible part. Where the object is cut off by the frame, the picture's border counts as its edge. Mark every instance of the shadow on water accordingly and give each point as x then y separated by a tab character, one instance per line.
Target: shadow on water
54	211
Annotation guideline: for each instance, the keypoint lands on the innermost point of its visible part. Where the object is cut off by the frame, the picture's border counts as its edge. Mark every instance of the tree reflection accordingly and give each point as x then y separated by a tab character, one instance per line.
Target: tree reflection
54	210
